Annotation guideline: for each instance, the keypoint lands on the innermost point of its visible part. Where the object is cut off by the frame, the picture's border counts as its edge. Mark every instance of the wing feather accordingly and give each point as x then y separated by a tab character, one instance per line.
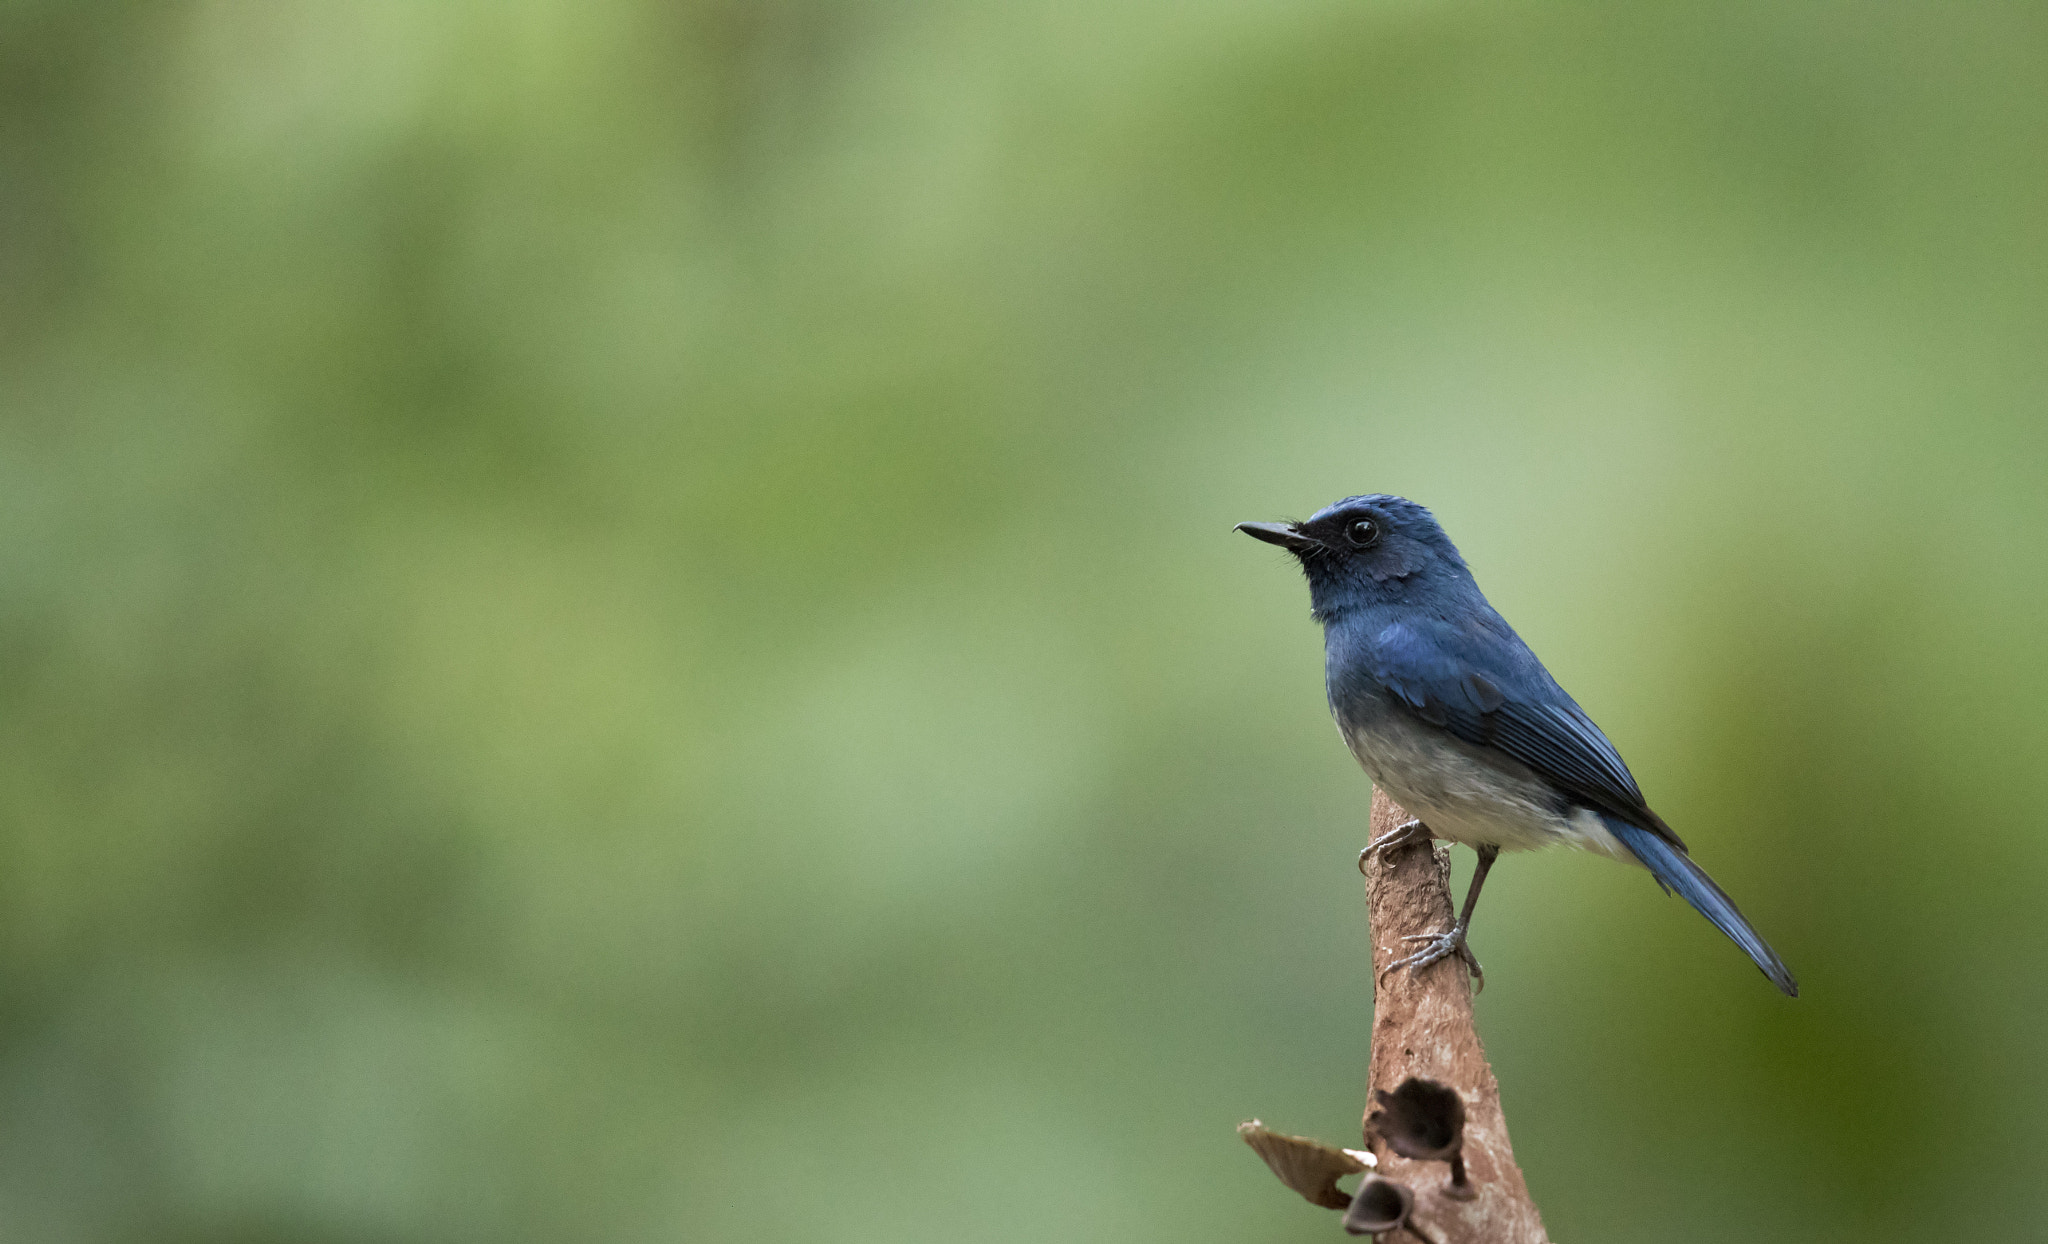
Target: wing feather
1514	707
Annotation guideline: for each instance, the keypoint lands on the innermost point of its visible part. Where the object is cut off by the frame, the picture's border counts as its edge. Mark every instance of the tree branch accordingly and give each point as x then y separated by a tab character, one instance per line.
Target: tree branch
1440	1167
1422	1029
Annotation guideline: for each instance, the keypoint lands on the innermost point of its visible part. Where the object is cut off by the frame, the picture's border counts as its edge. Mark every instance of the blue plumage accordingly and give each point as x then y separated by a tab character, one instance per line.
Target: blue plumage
1448	710
1674	870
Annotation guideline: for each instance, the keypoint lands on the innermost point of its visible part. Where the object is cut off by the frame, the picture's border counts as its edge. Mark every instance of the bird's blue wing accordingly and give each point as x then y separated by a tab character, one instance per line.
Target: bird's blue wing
1481	683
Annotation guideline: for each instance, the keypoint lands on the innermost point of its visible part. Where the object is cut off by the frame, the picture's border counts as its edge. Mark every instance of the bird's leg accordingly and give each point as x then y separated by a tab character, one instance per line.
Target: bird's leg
1409	831
1444	945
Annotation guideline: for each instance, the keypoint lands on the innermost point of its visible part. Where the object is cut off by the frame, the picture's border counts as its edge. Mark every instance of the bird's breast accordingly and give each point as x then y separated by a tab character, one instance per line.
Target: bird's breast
1463	792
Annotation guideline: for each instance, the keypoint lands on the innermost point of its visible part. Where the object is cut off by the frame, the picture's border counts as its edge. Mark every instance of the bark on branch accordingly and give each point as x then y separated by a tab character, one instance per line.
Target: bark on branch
1440	1167
1422	1029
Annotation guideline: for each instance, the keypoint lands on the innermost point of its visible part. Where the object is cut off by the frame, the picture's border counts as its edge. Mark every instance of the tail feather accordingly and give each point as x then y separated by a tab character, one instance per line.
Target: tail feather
1674	870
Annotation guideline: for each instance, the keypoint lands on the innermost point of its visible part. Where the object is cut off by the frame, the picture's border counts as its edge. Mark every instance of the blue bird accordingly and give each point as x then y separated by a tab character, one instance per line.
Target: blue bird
1449	712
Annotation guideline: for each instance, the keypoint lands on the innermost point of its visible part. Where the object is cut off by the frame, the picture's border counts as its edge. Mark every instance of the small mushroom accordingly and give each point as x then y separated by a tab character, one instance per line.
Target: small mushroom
1425	1121
1382	1205
1307	1166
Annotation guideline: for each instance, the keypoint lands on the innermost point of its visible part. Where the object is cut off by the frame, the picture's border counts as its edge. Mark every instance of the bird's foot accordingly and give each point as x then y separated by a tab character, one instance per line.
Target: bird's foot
1408	831
1439	946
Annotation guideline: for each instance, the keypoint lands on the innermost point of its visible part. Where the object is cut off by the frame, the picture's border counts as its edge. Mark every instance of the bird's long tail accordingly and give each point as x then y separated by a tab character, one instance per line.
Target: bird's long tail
1674	870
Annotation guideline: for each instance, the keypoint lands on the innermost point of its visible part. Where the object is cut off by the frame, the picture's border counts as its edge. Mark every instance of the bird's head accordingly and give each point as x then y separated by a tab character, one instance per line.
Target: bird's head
1367	549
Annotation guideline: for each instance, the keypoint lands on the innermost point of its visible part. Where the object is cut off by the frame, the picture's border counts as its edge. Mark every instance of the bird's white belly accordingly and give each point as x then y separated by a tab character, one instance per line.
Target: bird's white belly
1466	796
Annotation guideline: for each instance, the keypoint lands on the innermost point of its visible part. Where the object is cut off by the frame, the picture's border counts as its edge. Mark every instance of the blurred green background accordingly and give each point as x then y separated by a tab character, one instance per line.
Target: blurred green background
618	621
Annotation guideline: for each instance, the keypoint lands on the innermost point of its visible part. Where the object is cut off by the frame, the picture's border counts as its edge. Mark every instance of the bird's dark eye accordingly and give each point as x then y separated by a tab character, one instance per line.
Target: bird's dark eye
1362	532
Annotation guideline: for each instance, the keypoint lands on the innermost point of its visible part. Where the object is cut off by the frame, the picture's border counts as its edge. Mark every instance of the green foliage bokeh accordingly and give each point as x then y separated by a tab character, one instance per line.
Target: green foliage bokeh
618	621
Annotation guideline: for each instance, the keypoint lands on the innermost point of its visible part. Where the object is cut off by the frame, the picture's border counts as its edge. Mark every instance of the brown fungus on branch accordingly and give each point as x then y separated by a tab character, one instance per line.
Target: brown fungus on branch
1307	1166
1380	1206
1424	1120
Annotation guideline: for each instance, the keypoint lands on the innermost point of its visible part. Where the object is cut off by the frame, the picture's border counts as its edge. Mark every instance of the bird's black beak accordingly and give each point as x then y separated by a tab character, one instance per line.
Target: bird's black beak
1286	535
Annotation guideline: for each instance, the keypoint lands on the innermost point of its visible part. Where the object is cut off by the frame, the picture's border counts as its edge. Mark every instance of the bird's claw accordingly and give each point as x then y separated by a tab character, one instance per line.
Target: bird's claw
1408	831
1440	946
